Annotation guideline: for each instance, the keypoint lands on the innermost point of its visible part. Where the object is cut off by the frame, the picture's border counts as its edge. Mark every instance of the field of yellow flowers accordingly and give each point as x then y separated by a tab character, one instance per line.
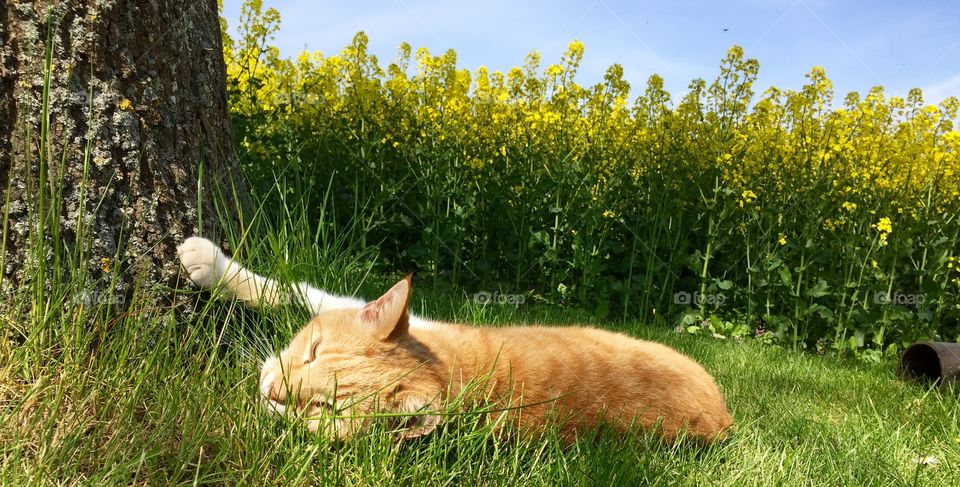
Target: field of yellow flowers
787	215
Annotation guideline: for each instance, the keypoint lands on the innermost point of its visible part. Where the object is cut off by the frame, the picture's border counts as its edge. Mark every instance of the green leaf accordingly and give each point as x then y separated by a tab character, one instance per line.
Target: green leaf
820	289
858	337
785	277
716	324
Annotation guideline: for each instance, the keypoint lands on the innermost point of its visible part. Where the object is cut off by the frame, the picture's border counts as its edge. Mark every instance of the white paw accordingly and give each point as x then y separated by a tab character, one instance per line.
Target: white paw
203	261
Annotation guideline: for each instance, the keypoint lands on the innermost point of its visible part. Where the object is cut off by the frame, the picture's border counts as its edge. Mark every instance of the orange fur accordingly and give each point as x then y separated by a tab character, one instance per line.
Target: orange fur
357	362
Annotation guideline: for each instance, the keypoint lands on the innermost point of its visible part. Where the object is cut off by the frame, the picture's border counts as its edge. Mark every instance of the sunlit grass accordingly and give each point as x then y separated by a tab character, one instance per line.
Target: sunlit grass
100	392
152	399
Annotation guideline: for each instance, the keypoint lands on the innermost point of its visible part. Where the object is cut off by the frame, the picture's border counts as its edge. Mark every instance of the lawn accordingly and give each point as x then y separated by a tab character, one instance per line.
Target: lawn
90	395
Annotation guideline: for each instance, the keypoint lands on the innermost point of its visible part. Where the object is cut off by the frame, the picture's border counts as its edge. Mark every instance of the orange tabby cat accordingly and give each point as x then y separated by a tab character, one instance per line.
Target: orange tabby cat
354	359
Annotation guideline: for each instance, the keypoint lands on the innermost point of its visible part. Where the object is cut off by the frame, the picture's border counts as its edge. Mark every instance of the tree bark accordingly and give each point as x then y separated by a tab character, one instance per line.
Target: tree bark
141	83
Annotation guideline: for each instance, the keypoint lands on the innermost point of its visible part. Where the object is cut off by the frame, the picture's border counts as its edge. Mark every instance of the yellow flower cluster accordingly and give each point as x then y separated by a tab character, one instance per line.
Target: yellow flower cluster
604	186
884	228
870	151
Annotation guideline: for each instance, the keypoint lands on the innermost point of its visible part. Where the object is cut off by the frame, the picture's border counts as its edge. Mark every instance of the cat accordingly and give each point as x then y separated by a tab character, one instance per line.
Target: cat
355	359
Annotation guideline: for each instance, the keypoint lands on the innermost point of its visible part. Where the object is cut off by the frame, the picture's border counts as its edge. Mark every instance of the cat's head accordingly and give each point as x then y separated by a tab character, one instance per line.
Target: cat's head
348	364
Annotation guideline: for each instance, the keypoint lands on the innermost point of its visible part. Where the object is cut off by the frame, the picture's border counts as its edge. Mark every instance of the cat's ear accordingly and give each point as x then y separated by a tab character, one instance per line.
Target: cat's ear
423	418
387	317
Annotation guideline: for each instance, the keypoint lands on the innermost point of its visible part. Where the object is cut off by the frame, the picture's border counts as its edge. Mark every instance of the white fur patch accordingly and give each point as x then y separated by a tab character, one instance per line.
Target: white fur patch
420	323
319	301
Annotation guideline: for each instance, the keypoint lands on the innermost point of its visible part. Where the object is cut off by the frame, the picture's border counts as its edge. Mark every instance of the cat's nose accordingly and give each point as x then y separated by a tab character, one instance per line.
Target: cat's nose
266	386
268	378
270	389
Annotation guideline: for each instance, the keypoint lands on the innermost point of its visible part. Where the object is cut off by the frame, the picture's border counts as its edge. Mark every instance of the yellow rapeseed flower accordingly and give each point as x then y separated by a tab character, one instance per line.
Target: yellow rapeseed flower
884	225
782	240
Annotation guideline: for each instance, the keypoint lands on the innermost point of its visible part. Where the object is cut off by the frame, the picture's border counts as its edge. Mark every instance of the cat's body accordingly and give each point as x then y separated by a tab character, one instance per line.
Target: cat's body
579	376
376	357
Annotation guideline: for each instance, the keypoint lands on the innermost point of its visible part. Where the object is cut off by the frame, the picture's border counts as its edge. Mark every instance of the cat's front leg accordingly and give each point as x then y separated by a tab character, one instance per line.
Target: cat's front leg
209	268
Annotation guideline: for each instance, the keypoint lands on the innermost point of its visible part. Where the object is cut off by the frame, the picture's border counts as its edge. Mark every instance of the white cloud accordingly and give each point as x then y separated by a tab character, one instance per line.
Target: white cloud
936	92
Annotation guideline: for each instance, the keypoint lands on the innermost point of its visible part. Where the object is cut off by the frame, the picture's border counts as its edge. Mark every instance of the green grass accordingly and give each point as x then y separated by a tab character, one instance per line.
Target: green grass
137	397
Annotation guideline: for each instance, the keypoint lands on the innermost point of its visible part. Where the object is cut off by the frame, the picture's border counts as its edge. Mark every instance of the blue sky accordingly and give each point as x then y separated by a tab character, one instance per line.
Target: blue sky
899	45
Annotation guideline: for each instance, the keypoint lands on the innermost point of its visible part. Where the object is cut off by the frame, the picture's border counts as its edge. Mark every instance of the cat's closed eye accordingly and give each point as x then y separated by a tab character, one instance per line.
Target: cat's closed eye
325	404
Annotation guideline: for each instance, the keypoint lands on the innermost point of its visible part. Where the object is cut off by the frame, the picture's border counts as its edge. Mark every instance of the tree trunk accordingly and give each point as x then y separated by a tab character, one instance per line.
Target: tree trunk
137	102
